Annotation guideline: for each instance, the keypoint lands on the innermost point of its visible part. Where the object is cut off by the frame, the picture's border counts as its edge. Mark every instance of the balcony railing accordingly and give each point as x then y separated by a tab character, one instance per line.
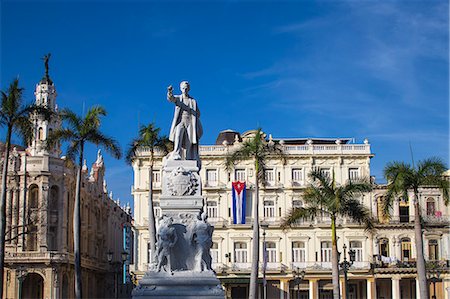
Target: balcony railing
213	150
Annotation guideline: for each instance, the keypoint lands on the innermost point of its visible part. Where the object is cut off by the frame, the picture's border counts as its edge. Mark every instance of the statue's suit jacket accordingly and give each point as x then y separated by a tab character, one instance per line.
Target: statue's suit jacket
195	130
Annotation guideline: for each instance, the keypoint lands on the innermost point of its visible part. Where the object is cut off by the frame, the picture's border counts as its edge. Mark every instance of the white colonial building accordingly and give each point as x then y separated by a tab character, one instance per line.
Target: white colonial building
384	264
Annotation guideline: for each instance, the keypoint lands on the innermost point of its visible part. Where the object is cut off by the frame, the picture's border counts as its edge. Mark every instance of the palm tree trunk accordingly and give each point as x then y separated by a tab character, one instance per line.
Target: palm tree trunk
77	228
3	208
420	260
151	214
255	244
334	260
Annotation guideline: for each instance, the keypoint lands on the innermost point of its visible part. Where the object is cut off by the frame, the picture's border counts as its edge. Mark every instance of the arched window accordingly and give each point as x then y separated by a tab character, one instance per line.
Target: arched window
383	247
298	252
431	206
33	197
240	252
40	134
406	249
357	247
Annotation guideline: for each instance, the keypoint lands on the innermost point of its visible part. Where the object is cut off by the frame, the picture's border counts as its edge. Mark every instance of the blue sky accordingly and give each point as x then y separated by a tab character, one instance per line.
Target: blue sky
362	69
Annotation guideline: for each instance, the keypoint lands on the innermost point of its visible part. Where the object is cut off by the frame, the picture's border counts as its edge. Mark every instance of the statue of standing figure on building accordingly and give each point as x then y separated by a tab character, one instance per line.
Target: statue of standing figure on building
186	129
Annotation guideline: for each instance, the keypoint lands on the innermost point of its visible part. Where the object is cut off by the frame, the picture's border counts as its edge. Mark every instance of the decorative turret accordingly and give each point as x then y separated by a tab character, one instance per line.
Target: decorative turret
45	96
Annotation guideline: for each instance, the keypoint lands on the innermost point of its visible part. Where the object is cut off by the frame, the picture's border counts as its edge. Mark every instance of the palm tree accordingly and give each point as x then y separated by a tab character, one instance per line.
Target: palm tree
324	196
149	138
16	118
401	178
258	150
80	131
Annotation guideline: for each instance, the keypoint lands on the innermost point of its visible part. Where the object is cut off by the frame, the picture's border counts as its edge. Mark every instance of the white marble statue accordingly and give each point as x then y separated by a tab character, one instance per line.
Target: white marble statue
99	161
167	238
186	129
202	241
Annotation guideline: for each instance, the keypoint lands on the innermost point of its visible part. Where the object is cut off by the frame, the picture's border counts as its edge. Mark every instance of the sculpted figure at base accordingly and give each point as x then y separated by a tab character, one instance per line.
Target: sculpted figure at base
167	238
202	240
186	129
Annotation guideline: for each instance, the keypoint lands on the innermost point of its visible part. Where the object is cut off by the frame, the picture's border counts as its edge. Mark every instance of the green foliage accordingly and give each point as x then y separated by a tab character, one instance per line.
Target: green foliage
16	115
256	149
403	177
81	130
148	137
324	196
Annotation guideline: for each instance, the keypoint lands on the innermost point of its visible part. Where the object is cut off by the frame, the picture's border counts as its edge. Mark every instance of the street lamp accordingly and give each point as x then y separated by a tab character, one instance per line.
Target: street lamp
109	256
434	277
299	276
264	227
345	266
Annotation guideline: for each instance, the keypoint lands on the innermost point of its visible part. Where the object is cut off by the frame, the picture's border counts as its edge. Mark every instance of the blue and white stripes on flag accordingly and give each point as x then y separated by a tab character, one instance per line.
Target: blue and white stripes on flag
238	193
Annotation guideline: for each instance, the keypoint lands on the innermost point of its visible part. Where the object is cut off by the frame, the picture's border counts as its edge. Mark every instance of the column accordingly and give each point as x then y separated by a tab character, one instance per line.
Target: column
395	287
43	212
342	287
22	211
418	288
8	215
313	289
284	289
411	211
15	216
396	211
63	219
375	208
371	288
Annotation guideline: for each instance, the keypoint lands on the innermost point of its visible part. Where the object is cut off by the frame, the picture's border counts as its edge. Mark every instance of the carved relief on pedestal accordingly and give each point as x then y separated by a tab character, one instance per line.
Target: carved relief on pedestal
182	183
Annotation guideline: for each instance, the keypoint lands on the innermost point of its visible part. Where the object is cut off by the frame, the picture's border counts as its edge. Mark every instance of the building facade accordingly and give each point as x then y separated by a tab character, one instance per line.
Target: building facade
384	264
39	234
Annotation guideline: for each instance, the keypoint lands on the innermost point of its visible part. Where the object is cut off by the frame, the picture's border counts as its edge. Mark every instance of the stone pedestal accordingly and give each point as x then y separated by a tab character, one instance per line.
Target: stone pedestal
184	240
182	284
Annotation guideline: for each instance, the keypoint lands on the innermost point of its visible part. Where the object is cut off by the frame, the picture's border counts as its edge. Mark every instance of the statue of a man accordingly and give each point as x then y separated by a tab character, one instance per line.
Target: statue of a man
202	241
186	129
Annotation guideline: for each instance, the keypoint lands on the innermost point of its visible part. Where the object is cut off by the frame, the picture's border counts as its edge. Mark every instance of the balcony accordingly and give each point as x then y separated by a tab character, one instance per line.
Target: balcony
241	267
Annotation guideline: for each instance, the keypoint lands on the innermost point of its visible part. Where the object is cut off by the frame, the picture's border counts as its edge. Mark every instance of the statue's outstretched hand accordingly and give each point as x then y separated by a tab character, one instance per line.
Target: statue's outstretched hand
170	93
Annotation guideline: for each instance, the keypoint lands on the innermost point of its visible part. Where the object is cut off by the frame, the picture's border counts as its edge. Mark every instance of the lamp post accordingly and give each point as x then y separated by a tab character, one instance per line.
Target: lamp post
110	256
264	261
345	266
299	276
117	266
434	277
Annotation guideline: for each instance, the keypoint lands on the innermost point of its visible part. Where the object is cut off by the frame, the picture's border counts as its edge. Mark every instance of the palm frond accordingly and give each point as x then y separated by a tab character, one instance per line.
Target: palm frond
357	212
24	128
108	143
72	119
296	214
60	135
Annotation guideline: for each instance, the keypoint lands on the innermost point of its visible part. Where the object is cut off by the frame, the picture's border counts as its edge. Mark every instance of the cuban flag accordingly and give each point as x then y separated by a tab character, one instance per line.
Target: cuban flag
238	192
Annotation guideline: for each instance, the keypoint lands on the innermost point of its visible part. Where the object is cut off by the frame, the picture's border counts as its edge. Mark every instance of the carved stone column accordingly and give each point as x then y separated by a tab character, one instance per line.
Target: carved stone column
15	214
8	214
43	223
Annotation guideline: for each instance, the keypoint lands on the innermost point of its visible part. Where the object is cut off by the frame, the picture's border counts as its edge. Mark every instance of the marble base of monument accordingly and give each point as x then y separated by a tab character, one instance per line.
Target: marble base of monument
182	284
184	238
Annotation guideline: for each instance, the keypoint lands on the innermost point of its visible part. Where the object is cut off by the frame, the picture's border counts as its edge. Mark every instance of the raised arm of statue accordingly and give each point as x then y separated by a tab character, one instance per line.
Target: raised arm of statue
170	96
